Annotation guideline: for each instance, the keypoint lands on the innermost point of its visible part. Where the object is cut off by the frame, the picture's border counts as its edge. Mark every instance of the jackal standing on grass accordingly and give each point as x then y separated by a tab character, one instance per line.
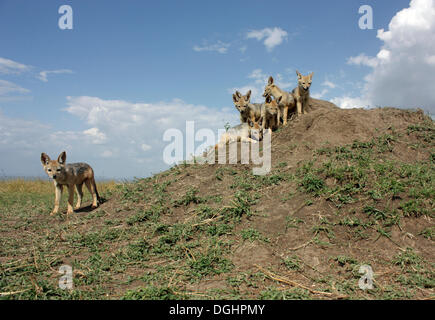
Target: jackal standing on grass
71	175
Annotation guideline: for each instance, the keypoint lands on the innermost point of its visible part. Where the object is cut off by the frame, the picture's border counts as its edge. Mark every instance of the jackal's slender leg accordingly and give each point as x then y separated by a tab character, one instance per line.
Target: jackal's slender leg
70	199
58	195
90	184
299	106
285	115
94	194
79	191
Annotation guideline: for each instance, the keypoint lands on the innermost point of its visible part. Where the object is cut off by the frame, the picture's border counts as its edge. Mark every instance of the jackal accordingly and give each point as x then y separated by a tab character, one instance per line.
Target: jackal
287	100
302	92
247	109
244	132
71	175
271	113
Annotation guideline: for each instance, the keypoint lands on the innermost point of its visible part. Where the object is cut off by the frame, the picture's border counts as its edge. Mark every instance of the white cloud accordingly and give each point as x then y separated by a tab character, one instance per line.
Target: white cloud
243	49
329	84
96	136
43	74
145	147
363	59
430	60
403	71
107	154
220	47
258	80
8	66
7	87
346	102
10	91
272	36
319	95
117	130
20	134
21	144
258	75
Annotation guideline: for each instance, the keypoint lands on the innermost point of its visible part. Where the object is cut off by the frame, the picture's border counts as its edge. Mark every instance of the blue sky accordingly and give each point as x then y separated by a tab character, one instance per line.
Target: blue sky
59	88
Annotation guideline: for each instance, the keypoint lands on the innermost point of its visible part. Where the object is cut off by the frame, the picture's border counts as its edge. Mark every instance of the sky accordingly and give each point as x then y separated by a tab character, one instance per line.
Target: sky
106	90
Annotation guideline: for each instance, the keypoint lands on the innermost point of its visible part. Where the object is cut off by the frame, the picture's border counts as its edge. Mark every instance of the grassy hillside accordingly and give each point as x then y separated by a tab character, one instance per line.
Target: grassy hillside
347	188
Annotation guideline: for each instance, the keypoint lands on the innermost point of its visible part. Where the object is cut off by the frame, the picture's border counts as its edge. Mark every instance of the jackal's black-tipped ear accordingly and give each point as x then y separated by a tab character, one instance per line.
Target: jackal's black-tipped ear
238	94
235	98
44	159
311	75
270	81
248	95
298	74
62	157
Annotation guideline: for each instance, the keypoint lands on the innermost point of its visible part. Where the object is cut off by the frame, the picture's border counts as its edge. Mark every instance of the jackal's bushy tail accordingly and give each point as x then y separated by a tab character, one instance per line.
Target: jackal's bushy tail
100	200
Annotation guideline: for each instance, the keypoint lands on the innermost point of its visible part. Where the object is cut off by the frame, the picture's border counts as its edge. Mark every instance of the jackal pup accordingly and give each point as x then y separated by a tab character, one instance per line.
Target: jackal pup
71	175
271	113
302	92
244	132
248	110
287	101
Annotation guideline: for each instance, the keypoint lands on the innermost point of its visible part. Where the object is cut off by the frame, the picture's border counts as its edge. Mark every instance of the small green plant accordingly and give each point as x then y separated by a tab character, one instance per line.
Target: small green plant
428	233
191	196
293	263
312	184
343	260
241	205
407	258
252	235
413	208
372	211
292	222
139	217
209	262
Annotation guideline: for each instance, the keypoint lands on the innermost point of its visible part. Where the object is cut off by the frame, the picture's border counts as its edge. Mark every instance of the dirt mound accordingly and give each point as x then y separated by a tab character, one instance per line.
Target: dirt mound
326	124
347	189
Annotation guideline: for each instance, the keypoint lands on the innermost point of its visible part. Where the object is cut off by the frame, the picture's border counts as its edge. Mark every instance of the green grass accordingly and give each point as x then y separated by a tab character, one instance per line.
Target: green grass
157	240
252	235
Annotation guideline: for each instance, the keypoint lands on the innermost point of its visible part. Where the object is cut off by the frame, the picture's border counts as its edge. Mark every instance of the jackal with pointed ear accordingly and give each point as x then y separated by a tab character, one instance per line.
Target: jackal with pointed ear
248	110
302	92
71	175
271	113
287	101
244	132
